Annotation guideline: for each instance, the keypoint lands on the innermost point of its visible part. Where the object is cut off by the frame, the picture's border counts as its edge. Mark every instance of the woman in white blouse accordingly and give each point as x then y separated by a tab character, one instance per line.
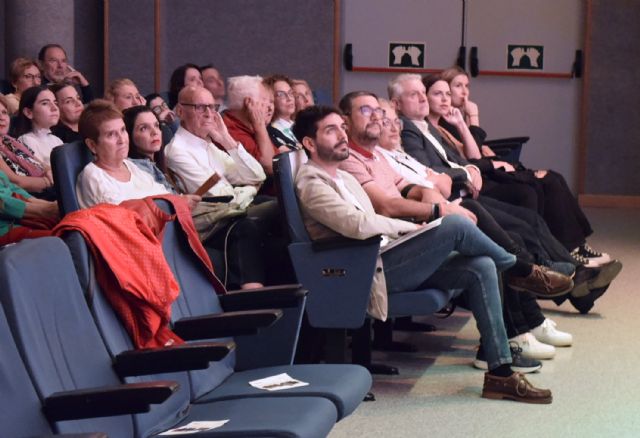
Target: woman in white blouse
37	113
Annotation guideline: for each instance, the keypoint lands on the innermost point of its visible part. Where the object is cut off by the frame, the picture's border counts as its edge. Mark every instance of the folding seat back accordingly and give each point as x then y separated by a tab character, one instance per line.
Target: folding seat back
117	340
67	161
53	328
338	273
20	408
272	346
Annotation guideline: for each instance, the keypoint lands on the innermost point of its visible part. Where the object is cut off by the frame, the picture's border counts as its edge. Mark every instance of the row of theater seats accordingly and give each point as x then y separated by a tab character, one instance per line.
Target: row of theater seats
68	365
338	273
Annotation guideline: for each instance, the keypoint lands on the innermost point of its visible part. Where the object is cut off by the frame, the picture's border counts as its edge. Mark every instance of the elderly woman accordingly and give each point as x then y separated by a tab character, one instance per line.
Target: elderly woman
557	205
187	74
112	177
19	162
24	73
70	106
38	113
124	94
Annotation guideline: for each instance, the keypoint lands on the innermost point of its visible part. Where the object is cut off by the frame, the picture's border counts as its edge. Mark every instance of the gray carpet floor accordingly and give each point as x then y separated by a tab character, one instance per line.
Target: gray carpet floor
595	383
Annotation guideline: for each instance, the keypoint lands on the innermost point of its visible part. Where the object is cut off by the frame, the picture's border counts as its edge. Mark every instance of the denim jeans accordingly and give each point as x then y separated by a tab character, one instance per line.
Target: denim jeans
457	255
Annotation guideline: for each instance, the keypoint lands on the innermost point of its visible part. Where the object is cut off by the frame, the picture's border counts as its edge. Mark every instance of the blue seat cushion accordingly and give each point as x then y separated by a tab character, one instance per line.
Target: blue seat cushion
325	380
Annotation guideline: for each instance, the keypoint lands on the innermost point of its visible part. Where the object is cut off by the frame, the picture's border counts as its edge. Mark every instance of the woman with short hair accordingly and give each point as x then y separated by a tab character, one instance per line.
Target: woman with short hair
24	73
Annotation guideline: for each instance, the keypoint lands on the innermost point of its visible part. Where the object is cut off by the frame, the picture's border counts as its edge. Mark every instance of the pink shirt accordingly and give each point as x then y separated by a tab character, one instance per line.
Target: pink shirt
369	167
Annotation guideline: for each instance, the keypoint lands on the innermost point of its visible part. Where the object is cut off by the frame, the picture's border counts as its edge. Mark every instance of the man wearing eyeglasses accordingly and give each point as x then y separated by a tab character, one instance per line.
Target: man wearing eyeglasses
203	146
56	69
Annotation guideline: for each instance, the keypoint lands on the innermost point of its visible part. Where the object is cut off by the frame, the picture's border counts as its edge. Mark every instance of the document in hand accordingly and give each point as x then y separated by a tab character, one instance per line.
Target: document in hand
400	240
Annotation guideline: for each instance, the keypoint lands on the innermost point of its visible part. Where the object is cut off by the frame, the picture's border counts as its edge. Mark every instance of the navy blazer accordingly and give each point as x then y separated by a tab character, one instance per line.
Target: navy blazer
420	148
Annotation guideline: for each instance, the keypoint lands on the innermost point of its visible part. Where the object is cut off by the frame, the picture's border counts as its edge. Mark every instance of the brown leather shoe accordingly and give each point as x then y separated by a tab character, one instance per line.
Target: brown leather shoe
516	388
542	282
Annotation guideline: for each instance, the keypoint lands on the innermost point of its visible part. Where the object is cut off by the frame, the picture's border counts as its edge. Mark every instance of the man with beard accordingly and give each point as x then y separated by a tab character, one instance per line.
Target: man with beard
334	203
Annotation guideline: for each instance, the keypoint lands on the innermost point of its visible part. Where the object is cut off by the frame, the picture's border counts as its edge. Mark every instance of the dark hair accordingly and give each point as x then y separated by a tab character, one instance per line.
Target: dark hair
347	100
271	80
430	79
306	124
95	114
150	97
44	49
59	86
27	100
176	83
130	116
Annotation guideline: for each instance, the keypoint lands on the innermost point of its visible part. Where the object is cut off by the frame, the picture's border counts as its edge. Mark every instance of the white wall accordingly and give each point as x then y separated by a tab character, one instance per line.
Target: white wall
547	110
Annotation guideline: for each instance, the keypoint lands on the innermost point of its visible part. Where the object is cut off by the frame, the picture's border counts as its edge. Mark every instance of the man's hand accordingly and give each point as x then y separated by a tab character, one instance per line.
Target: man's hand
255	112
455	208
442	181
76	77
431	196
219	133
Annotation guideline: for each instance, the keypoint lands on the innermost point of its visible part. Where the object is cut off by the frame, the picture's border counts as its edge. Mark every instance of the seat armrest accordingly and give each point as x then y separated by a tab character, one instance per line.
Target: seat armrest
282	296
342	242
107	400
506	141
225	324
185	357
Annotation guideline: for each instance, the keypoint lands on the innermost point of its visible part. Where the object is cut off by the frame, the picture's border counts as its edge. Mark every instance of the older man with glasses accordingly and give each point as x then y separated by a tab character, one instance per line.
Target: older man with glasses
203	146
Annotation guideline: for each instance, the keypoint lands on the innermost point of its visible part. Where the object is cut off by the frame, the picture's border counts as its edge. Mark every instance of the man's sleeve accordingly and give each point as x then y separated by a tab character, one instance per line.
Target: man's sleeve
322	203
185	166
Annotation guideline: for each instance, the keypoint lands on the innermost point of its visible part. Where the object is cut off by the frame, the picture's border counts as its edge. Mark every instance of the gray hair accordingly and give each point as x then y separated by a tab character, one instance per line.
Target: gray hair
395	88
241	87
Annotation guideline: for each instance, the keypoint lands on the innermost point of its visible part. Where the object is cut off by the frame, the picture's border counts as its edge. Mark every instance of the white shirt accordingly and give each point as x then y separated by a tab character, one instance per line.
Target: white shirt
413	171
194	160
95	186
41	142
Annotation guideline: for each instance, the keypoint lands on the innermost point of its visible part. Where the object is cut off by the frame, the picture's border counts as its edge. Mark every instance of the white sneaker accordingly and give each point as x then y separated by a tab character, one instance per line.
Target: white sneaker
532	348
548	334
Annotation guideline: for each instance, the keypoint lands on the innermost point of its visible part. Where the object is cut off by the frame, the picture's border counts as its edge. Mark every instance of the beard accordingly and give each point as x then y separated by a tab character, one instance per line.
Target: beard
333	153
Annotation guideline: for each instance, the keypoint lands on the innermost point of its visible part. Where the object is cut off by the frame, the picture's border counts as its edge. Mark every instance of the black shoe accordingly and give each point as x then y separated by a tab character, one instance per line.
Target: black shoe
518	364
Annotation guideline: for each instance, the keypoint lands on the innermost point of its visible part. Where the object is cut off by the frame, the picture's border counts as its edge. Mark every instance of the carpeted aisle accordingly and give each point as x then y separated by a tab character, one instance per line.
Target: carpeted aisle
595	383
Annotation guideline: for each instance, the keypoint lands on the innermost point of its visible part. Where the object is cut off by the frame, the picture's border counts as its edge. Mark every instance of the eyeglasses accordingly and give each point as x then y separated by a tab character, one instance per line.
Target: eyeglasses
387	122
157	110
31	77
284	94
200	108
367	111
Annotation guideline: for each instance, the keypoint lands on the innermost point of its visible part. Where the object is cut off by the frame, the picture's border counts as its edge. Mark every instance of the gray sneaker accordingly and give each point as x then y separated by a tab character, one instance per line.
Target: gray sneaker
518	364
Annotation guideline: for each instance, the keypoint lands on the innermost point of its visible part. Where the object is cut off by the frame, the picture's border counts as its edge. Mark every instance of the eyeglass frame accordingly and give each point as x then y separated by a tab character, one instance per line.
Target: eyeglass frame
386	122
200	108
368	111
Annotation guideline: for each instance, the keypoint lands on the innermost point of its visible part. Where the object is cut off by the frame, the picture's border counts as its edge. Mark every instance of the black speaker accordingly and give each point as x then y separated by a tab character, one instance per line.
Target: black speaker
462	58
473	62
578	65
347	57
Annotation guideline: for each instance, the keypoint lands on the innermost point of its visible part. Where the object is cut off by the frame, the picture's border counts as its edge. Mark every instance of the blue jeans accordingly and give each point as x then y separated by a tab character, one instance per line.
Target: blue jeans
427	261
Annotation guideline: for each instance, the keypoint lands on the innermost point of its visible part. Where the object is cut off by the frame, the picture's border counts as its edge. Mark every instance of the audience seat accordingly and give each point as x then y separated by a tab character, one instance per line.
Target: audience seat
339	273
344	385
63	350
508	149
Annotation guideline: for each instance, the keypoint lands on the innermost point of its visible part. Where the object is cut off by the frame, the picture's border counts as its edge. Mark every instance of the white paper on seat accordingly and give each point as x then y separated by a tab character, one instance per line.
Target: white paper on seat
195	427
277	382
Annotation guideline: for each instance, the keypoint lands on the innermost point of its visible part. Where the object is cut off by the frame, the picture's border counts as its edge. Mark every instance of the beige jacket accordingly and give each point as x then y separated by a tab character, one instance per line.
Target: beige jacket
327	214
